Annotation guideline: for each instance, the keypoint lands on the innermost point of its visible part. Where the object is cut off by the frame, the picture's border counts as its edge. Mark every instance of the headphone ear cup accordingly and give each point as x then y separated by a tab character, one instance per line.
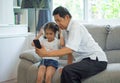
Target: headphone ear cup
57	35
56	27
44	36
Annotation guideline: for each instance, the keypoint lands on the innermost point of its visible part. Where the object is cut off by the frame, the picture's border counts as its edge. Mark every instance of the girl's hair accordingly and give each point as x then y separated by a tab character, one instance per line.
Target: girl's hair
52	26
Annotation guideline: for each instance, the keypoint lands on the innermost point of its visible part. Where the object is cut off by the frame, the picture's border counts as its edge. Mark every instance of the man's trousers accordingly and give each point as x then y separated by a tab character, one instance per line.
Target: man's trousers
73	73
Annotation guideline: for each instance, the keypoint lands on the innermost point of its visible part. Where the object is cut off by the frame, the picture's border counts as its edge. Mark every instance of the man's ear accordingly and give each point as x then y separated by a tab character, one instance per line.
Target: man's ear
67	17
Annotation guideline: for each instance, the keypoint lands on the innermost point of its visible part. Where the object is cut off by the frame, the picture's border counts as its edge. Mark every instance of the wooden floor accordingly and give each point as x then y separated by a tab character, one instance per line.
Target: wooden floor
10	81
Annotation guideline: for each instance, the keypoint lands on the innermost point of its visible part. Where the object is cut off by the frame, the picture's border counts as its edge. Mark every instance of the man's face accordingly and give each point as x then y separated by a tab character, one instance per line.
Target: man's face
61	22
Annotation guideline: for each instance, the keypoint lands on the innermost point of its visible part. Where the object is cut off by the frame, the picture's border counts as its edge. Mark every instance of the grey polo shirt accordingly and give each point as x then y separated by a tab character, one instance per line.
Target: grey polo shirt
81	42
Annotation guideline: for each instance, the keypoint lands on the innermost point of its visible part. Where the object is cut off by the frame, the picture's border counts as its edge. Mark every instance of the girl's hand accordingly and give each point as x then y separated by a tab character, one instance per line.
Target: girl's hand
41	52
32	44
41	32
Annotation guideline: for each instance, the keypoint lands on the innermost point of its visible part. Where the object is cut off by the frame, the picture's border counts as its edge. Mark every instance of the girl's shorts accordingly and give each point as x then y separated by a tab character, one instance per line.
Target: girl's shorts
49	62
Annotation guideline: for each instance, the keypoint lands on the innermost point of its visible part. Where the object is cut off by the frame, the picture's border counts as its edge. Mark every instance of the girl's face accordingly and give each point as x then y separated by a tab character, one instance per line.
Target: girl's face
50	35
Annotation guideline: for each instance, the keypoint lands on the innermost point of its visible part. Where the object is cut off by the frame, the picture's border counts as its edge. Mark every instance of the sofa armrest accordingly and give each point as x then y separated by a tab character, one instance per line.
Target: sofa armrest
30	55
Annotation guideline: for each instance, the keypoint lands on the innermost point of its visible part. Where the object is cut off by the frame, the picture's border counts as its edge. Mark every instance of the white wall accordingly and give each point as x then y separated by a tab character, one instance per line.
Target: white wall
12	42
6	12
10	48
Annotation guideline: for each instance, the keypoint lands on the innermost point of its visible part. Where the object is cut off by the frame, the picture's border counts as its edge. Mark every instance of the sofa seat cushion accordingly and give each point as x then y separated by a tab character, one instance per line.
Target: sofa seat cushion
113	56
110	75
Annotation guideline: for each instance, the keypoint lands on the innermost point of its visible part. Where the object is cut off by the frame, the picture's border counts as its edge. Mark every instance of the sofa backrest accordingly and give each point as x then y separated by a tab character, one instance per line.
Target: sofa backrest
113	44
108	37
99	33
113	38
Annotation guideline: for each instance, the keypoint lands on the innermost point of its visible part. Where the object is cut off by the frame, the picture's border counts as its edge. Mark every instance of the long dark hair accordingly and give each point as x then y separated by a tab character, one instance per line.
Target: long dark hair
52	26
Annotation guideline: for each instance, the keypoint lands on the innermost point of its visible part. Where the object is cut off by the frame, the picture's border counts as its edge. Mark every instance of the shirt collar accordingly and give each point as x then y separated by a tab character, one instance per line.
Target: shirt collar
69	25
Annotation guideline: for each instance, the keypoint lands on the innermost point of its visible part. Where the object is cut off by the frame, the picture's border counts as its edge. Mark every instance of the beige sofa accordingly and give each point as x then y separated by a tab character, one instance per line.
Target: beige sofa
107	36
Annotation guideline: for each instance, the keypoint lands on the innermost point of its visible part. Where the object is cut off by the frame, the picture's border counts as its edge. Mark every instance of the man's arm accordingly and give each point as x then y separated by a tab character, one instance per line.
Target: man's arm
70	59
55	53
62	42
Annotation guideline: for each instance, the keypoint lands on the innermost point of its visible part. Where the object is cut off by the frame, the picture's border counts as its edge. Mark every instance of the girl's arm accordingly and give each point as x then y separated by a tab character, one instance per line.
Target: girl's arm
38	36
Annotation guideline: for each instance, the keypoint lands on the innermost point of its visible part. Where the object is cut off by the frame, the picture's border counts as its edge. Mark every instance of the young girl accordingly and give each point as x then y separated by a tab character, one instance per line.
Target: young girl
49	65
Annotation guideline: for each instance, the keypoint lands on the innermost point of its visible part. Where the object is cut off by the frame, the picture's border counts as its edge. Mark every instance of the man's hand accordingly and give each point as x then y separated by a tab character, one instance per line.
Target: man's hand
41	52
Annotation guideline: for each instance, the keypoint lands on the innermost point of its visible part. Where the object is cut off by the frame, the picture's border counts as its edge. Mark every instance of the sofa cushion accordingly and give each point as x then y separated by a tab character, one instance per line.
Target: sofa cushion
113	56
99	33
113	39
30	55
110	75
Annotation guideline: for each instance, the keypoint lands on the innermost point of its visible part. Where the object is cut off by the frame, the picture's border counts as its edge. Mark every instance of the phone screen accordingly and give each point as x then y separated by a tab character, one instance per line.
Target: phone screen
37	43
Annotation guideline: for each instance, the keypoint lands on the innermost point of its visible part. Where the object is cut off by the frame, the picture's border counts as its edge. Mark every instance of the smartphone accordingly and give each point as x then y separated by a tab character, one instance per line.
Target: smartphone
37	43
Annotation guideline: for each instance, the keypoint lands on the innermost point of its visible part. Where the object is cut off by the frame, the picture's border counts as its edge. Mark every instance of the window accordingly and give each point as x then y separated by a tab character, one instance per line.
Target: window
104	9
91	9
74	6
